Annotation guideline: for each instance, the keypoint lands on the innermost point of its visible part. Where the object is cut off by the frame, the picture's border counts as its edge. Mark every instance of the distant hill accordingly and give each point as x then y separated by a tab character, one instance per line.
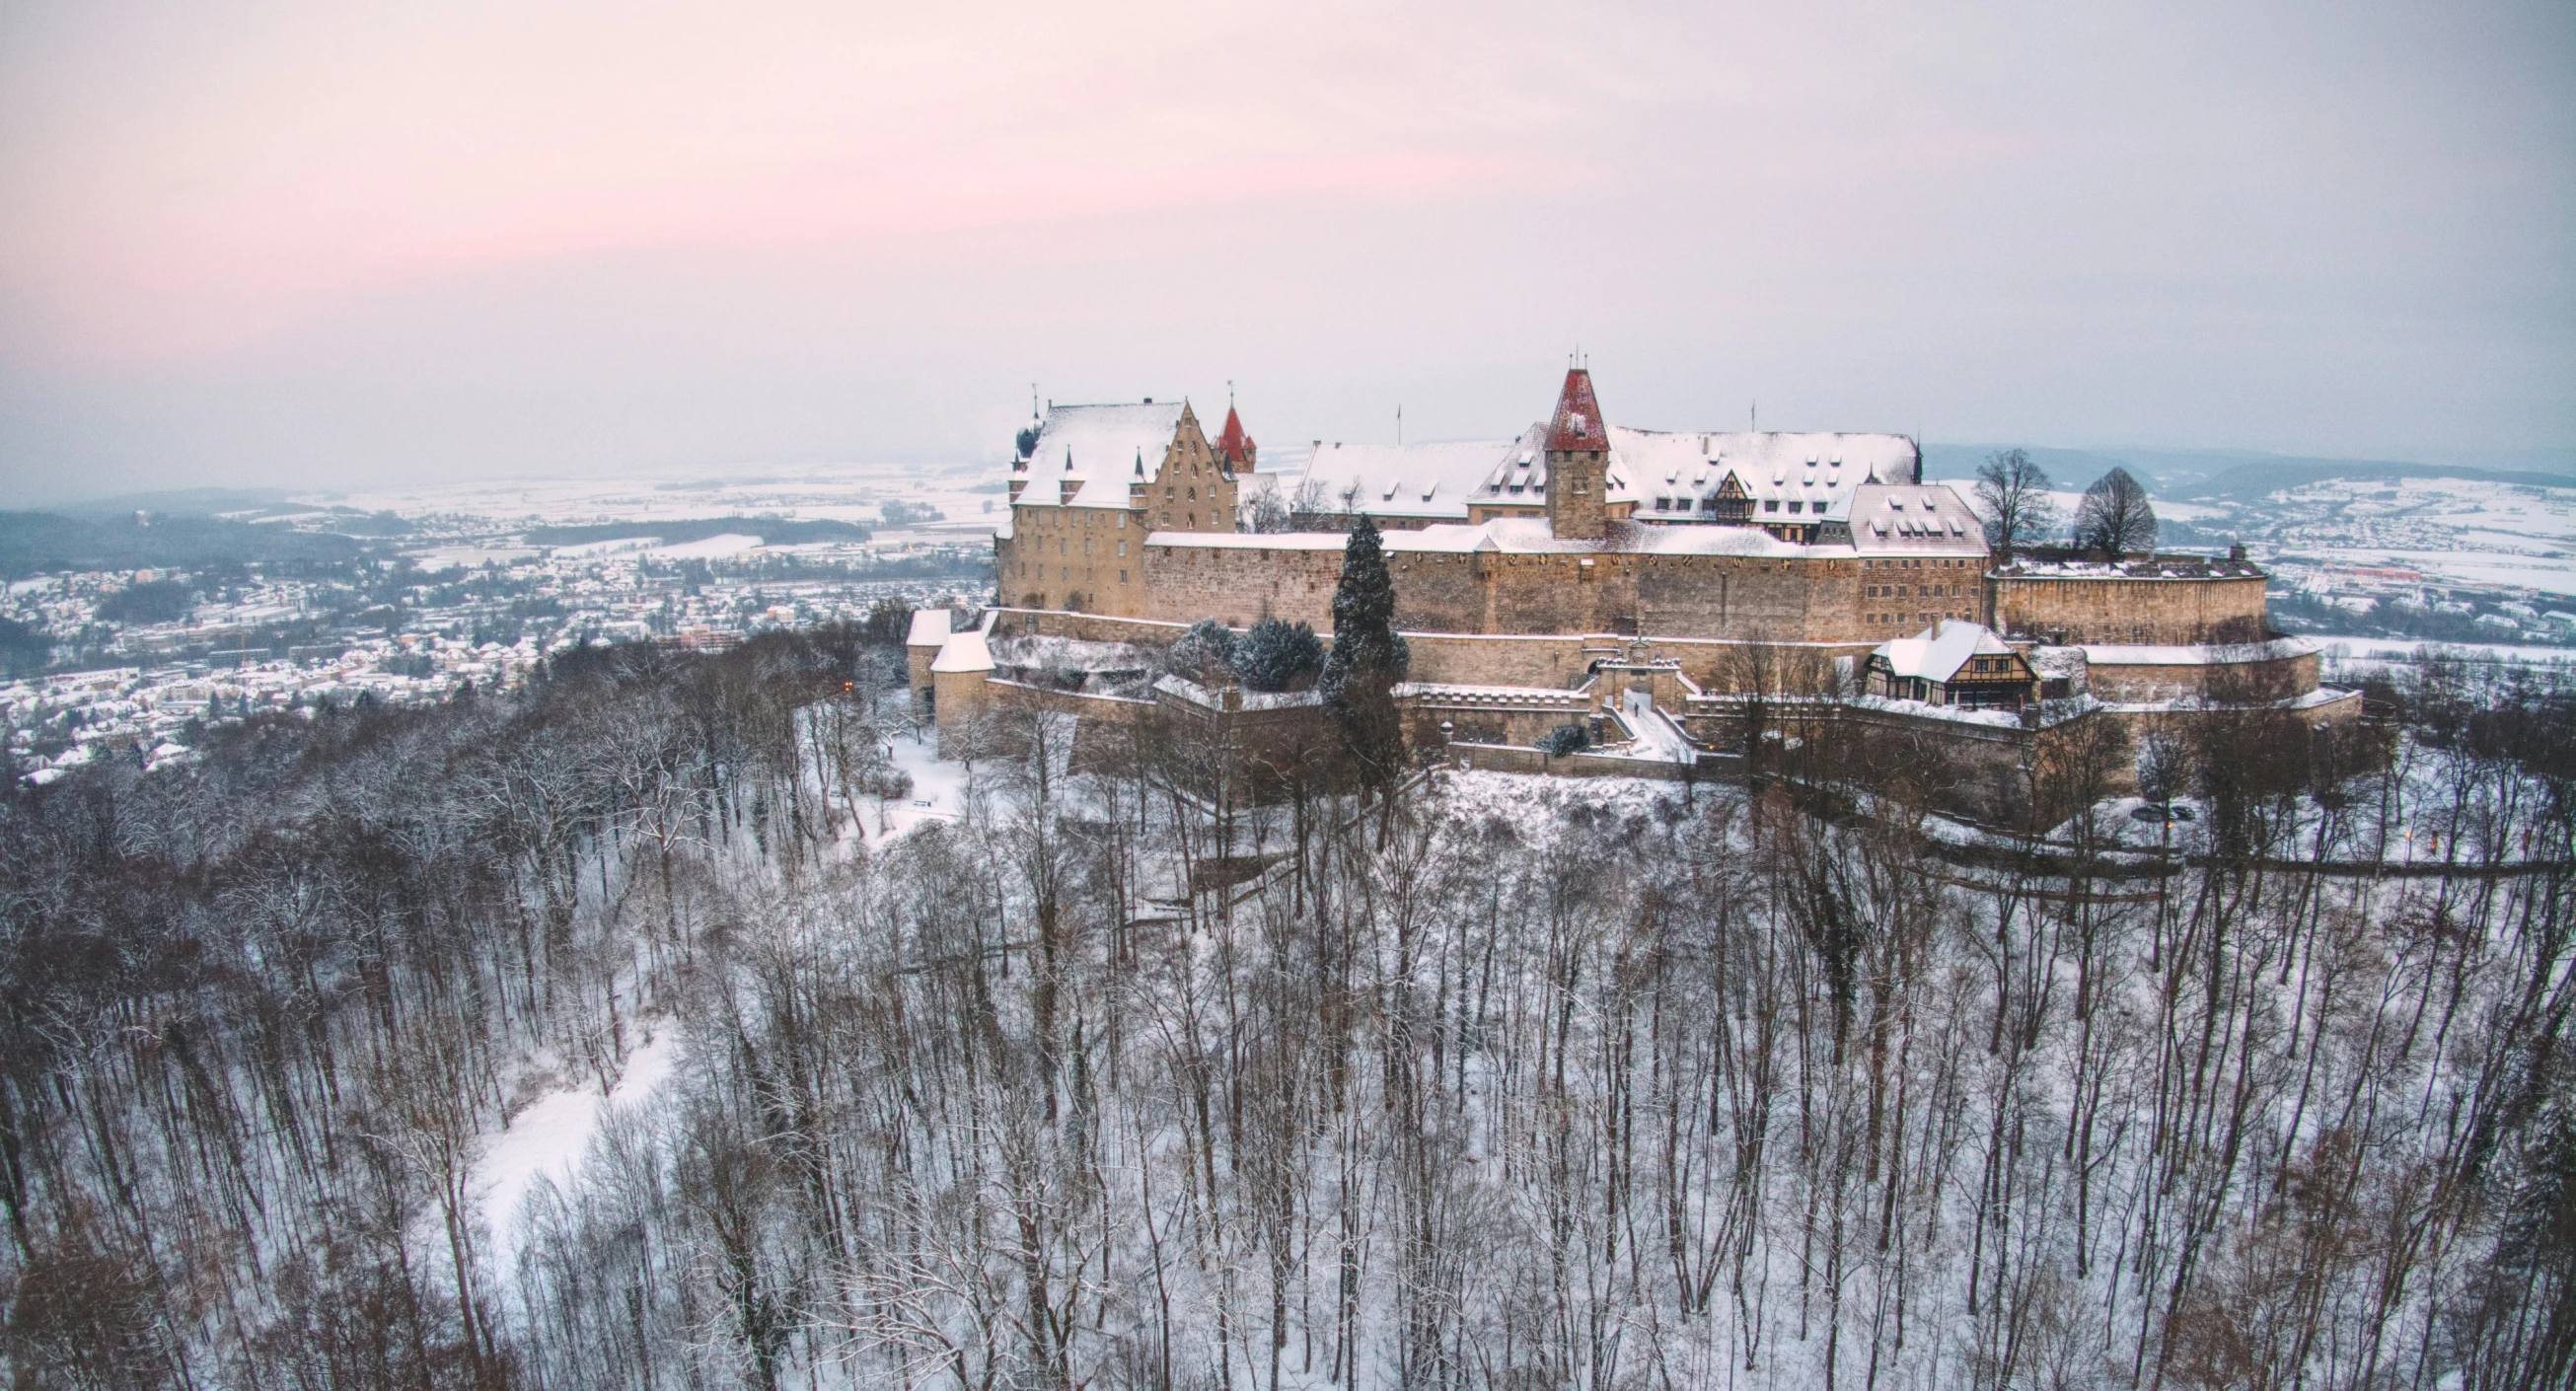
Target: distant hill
36	542
2232	474
775	531
196	502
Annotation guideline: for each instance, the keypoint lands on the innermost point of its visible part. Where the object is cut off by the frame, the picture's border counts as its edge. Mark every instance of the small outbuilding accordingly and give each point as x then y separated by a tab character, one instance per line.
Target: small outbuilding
930	629
1953	662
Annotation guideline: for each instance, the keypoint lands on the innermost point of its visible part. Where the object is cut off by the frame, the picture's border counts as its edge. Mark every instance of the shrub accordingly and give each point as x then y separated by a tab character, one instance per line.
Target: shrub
1204	654
1565	739
1277	655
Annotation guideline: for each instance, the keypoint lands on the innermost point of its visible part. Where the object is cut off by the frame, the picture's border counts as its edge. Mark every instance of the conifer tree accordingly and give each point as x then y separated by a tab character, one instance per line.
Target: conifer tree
1368	659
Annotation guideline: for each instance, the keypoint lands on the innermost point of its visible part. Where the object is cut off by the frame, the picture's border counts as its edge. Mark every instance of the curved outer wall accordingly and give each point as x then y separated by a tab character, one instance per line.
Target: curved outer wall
2087	608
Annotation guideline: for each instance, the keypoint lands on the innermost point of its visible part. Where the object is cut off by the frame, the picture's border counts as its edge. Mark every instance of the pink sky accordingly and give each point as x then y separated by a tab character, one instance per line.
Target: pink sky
277	242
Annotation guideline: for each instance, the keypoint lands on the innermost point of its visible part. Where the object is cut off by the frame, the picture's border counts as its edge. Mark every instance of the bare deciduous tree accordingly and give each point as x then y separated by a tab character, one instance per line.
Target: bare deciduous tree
2115	516
2013	493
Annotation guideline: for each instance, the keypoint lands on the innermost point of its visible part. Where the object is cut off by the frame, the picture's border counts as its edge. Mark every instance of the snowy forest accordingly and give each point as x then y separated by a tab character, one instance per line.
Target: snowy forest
1144	1073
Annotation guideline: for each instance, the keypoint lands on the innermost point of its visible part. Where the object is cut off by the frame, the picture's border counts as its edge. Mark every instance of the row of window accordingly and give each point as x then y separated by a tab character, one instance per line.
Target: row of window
1063	546
1685	504
1063	572
1899	591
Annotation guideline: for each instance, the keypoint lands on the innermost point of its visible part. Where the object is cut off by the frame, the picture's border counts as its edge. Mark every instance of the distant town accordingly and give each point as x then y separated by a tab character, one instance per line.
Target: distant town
139	661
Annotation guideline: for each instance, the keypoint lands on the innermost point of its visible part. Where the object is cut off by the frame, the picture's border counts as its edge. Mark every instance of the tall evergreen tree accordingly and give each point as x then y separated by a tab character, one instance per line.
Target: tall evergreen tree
1368	659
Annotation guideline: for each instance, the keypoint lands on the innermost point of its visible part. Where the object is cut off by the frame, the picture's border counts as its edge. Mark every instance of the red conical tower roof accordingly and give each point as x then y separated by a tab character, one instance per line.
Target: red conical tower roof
1578	424
1232	444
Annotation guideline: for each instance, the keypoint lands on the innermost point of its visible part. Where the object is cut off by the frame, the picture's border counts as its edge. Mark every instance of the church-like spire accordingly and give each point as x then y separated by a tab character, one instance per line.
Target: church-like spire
1233	445
1577	424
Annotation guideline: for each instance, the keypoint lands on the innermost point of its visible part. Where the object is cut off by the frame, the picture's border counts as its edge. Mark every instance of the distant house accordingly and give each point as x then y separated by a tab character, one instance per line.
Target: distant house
1953	663
2560	622
2498	623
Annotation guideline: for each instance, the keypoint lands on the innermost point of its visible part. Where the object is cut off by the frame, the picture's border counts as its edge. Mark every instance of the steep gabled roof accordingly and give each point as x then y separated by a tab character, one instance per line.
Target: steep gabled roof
1099	448
1937	653
1232	445
1577	424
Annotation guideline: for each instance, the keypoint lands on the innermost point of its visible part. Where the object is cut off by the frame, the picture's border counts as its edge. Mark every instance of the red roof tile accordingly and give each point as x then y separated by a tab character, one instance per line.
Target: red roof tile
1578	424
1232	444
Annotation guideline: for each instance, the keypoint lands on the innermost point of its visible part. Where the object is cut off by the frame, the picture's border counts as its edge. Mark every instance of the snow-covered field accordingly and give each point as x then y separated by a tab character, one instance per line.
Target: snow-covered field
969	494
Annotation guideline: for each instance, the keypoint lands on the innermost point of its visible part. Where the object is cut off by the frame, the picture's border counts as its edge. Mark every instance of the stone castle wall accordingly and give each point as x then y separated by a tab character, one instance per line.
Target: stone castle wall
1240	586
1776	599
2088	609
2223	677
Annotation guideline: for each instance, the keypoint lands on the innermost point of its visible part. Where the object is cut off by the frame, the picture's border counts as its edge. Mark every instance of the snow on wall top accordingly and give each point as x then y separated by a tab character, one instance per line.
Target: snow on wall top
1512	536
1100	447
1928	532
2194	655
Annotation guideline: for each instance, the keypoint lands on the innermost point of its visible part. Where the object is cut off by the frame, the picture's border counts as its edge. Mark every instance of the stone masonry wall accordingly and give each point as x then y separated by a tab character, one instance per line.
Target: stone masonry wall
2267	679
2081	609
1241	586
1776	599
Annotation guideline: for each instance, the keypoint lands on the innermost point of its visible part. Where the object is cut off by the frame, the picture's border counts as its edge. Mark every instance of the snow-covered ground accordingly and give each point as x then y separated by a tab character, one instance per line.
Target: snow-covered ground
938	790
969	494
2382	651
723	547
546	1140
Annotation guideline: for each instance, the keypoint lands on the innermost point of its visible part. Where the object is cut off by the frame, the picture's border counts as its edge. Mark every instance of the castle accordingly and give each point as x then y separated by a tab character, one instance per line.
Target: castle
1588	569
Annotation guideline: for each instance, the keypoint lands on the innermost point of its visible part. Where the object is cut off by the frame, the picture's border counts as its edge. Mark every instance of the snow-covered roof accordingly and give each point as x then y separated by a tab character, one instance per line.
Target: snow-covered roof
1101	448
1576	423
1519	473
1911	519
929	628
1401	480
967	649
1817	470
1937	653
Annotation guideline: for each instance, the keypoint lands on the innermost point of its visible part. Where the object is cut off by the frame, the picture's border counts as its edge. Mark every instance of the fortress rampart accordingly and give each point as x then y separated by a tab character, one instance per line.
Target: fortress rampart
1825	598
2168	600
